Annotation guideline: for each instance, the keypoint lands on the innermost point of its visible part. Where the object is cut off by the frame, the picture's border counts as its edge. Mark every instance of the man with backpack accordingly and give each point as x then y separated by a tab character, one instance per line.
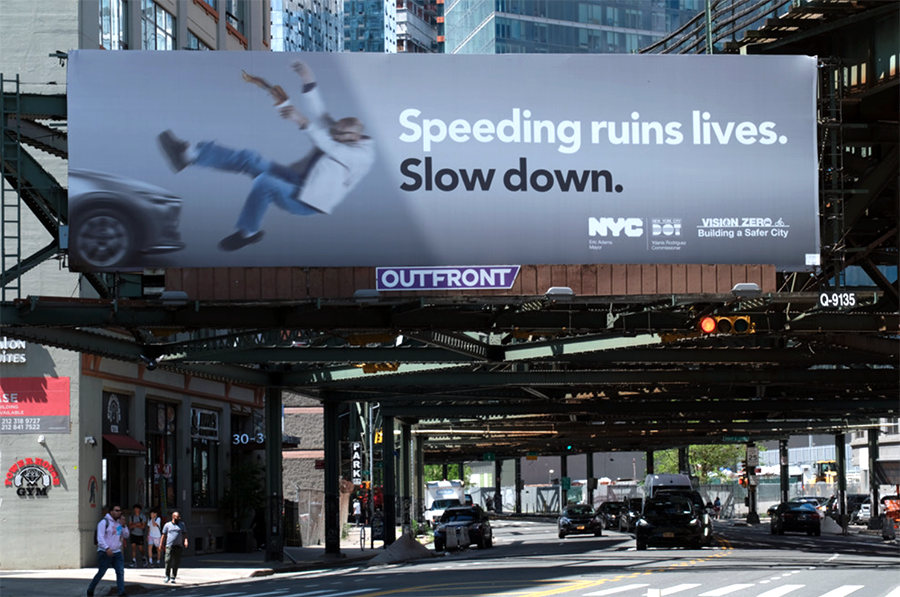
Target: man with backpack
111	535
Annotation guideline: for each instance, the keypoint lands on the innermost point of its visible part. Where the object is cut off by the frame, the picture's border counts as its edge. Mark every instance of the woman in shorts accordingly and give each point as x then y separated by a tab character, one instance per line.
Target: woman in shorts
154	536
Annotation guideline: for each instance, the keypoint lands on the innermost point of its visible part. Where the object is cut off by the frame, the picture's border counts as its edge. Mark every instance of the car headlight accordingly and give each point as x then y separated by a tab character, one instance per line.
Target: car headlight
564	520
643	523
694	522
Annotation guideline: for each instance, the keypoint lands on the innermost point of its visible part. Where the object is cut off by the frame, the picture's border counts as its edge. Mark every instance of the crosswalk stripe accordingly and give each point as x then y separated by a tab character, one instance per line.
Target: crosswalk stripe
677	589
614	590
369	590
783	590
725	590
843	591
894	593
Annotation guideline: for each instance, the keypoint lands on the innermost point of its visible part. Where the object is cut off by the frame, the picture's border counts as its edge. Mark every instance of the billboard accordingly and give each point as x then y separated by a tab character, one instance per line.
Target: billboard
206	159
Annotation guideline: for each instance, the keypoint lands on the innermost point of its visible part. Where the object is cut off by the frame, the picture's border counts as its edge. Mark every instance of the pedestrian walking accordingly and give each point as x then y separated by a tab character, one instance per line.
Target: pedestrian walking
111	535
174	541
717	507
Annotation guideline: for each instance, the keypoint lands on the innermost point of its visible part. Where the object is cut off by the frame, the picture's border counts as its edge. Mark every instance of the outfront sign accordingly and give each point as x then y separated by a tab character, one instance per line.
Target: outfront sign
34	405
256	159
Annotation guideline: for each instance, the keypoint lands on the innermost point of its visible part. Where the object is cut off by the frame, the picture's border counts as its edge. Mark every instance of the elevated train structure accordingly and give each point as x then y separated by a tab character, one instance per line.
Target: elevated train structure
574	357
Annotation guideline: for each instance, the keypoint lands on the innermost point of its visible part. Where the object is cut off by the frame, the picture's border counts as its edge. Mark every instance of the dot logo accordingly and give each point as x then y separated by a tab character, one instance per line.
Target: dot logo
665	227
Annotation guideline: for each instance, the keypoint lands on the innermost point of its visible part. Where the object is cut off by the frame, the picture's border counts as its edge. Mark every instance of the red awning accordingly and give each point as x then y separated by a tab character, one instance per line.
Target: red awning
125	445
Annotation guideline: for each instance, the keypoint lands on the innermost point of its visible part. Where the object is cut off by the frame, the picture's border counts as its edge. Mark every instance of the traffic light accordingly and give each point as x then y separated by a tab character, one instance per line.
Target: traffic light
379	436
726	324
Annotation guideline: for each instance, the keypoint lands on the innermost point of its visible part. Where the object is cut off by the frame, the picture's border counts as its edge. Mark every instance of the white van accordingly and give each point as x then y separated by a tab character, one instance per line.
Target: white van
654	483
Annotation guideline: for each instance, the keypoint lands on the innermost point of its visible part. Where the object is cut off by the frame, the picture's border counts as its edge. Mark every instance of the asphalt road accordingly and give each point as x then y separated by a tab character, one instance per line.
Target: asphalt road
528	560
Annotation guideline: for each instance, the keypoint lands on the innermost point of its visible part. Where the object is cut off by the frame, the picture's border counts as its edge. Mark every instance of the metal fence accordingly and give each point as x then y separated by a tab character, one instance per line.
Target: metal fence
304	518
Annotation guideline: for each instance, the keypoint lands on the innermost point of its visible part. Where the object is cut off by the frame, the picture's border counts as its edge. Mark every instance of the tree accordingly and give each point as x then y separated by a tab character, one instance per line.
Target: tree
435	472
705	460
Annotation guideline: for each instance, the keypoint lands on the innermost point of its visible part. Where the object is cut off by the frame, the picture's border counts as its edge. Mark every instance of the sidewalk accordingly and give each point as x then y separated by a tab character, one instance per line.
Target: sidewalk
194	570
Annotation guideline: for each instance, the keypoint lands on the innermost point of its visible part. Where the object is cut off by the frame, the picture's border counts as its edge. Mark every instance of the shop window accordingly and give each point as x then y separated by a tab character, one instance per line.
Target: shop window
162	459
204	458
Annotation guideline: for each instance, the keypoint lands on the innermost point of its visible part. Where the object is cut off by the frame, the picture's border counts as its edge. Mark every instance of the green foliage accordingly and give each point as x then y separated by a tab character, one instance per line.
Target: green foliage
705	460
435	472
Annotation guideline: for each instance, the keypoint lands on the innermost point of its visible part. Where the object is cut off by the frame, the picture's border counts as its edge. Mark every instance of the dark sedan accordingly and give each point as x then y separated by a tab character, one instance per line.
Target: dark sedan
795	516
579	520
609	514
629	514
669	521
473	518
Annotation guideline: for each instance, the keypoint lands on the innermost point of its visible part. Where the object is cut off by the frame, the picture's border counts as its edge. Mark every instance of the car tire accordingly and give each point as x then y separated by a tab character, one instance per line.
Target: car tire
598	533
102	238
438	546
489	542
771	529
641	545
818	532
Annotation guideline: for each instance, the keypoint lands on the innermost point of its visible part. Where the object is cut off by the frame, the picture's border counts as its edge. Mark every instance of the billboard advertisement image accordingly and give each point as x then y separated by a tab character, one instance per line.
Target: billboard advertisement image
252	159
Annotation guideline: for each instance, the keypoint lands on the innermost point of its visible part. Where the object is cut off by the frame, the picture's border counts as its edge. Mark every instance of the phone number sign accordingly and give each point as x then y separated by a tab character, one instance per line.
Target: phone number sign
34	405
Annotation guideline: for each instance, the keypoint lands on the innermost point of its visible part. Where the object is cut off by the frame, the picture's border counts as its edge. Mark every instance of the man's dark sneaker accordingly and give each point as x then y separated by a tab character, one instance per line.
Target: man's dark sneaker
90	594
173	148
236	241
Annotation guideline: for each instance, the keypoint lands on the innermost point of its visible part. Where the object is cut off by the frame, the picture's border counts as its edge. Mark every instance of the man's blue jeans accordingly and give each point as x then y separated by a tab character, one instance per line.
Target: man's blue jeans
272	182
117	561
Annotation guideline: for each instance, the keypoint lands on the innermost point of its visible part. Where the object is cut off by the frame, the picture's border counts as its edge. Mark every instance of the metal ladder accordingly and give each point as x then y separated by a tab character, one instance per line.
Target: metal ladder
831	166
10	199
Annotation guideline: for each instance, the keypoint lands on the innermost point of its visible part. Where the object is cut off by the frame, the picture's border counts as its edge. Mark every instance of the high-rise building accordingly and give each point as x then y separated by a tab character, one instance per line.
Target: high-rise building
174	25
418	23
370	26
554	27
307	26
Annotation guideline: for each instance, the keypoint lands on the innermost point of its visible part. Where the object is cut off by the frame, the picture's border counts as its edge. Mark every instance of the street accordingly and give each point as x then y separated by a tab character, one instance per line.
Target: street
528	560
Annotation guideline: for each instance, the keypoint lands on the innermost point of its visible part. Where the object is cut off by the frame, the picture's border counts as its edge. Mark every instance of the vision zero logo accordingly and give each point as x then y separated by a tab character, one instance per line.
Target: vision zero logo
633	227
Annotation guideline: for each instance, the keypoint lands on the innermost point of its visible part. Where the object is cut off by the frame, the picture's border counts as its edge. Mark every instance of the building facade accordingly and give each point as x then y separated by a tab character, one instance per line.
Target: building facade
307	26
370	26
549	27
78	431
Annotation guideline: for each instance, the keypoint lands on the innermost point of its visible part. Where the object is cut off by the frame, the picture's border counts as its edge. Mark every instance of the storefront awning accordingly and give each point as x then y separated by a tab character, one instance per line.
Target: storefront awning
124	445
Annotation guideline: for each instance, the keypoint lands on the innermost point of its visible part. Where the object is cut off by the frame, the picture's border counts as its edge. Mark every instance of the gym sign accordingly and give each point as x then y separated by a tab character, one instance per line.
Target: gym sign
32	477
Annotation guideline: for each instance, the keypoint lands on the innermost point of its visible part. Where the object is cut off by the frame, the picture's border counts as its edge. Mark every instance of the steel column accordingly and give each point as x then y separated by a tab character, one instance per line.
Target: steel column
332	448
274	489
784	470
390	479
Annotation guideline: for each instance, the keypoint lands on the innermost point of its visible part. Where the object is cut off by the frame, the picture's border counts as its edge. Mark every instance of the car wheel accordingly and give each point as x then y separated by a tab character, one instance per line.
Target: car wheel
598	533
781	531
562	535
641	545
696	544
818	532
102	238
489	542
771	529
438	546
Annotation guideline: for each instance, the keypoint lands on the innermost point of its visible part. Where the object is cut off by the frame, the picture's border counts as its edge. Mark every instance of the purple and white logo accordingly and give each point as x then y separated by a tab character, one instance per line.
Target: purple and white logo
490	277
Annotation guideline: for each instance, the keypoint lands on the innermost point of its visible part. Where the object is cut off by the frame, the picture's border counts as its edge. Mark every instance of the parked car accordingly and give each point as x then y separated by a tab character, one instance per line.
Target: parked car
473	518
854	501
865	508
579	520
703	513
609	514
115	220
669	520
796	516
820	502
628	516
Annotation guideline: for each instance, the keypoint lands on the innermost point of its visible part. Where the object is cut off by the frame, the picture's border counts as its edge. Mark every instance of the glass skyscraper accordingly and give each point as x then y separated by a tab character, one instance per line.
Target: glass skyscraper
370	26
561	26
307	26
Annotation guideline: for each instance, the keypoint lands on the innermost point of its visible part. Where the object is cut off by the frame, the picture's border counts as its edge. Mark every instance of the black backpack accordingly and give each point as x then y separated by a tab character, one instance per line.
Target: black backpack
104	530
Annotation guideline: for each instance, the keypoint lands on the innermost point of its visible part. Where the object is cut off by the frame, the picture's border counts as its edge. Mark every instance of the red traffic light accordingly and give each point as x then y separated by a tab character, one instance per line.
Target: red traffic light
708	325
722	324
